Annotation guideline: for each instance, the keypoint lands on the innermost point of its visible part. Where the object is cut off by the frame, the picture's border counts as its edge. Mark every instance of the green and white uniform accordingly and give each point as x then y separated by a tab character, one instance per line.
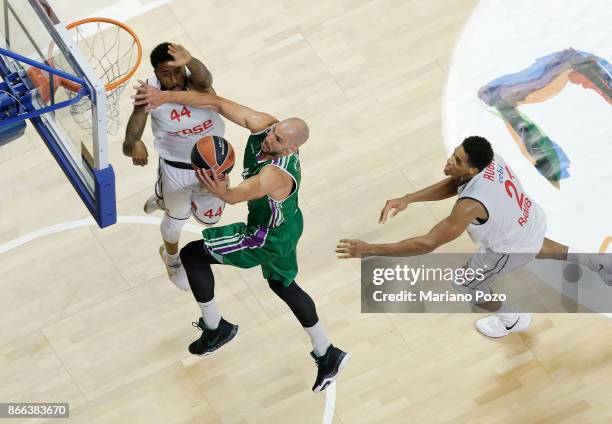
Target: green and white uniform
273	228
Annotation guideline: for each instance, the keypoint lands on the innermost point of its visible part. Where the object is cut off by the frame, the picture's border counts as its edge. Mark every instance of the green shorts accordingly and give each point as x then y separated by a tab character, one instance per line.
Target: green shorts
248	246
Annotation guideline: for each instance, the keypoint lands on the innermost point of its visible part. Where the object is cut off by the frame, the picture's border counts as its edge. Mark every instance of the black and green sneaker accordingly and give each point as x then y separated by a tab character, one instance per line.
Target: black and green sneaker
329	365
211	340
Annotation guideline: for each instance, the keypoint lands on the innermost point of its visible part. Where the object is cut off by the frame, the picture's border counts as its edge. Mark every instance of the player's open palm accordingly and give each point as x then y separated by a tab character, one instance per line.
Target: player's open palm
393	206
348	248
148	96
180	54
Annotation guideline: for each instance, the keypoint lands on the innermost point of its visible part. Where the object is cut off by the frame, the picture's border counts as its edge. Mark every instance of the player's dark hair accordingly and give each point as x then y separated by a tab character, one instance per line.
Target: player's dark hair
479	151
160	54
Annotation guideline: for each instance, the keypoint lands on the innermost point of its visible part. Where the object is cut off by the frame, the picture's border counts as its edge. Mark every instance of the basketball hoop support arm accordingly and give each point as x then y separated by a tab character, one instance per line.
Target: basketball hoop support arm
21	91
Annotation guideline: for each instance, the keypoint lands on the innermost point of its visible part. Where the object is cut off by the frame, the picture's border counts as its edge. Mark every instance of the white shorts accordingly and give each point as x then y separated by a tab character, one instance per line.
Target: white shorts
183	195
489	266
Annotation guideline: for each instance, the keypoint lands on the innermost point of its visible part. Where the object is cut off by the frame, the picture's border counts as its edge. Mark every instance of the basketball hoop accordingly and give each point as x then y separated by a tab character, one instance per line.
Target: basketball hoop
113	51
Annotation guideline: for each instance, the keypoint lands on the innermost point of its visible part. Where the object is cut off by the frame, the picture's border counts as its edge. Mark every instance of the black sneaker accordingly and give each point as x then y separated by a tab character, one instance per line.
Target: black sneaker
211	340
329	365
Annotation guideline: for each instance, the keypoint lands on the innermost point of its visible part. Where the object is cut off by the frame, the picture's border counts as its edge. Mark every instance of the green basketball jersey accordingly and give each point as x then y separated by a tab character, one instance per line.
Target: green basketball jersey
265	211
273	229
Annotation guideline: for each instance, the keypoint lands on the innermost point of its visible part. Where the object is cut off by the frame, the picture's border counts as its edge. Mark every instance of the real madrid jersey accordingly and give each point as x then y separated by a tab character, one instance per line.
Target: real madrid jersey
516	224
177	127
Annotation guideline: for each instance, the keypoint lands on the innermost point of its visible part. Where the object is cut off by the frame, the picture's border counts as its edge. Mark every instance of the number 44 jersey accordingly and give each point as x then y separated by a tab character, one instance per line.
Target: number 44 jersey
177	127
516	223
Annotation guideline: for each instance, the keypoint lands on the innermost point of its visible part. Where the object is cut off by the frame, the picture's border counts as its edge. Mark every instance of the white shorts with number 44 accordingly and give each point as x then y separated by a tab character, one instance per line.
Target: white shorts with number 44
183	195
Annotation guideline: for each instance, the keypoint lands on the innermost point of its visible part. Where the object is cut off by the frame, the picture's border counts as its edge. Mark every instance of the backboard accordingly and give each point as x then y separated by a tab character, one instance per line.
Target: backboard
31	29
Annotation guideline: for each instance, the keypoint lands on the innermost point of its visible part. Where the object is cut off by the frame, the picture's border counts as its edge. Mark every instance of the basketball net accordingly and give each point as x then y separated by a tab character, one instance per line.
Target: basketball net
114	52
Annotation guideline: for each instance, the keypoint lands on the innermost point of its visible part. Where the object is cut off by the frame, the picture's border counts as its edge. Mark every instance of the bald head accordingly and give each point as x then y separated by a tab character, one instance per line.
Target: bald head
294	130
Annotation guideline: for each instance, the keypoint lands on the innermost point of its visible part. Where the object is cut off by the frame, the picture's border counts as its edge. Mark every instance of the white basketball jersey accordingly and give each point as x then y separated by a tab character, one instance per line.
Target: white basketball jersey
516	223
177	127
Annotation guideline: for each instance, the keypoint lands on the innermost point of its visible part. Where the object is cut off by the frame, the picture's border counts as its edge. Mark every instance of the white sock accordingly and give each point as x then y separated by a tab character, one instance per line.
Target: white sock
210	314
592	261
507	314
508	319
172	259
318	338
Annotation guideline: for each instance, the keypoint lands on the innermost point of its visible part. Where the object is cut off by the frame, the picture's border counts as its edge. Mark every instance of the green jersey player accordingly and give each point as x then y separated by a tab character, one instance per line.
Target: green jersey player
270	234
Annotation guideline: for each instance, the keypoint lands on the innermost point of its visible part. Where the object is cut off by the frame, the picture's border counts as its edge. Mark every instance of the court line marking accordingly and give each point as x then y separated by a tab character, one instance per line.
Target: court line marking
330	392
69	225
330	404
604	244
125	10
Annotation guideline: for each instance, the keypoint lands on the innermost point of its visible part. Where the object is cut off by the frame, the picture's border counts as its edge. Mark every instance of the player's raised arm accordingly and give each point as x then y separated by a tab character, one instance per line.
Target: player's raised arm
151	97
199	77
443	232
133	146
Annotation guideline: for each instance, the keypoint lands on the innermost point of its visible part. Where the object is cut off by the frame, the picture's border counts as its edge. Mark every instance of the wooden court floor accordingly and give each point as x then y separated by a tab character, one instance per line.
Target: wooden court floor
88	316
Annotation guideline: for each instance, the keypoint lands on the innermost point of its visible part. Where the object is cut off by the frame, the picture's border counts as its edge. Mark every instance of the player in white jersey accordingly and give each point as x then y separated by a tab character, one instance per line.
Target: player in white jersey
176	129
497	213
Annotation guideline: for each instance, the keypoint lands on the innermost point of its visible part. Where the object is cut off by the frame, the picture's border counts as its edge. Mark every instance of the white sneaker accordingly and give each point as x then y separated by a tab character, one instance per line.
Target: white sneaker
176	272
494	326
153	204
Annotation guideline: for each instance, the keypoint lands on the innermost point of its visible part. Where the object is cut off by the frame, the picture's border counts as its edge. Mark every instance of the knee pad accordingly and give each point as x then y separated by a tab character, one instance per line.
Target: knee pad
171	228
195	253
300	303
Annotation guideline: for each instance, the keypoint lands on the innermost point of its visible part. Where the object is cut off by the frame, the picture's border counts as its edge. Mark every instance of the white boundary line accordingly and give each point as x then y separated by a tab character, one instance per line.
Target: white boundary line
124	10
54	229
330	404
330	392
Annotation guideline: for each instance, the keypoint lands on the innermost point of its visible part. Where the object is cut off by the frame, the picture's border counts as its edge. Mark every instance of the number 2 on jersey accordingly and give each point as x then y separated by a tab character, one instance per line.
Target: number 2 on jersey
174	115
510	186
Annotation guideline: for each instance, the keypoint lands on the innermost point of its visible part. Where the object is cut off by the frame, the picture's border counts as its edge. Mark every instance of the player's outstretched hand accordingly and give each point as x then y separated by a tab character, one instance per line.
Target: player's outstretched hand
347	249
215	183
148	96
180	54
394	206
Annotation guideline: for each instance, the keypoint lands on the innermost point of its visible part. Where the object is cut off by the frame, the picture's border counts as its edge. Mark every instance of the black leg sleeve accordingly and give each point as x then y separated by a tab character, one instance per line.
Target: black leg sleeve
298	300
197	261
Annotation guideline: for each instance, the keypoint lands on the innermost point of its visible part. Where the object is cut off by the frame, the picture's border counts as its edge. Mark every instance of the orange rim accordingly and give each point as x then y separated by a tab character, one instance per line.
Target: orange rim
114	84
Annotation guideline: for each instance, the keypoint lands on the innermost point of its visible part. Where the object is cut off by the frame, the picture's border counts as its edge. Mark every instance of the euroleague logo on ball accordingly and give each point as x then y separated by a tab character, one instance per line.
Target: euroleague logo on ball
213	152
221	149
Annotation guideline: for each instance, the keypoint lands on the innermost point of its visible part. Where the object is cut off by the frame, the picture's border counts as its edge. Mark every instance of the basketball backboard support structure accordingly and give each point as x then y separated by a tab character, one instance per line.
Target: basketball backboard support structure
29	31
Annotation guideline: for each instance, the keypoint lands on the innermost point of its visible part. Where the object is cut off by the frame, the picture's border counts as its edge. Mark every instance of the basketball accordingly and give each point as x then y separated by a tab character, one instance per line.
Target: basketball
213	152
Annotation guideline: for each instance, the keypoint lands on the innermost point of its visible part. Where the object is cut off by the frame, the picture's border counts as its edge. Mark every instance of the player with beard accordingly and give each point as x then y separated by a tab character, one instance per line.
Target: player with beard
269	238
176	128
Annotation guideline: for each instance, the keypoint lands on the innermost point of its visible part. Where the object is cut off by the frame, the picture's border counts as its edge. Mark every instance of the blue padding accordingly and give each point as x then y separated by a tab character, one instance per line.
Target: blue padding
101	205
105	196
11	132
13	113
